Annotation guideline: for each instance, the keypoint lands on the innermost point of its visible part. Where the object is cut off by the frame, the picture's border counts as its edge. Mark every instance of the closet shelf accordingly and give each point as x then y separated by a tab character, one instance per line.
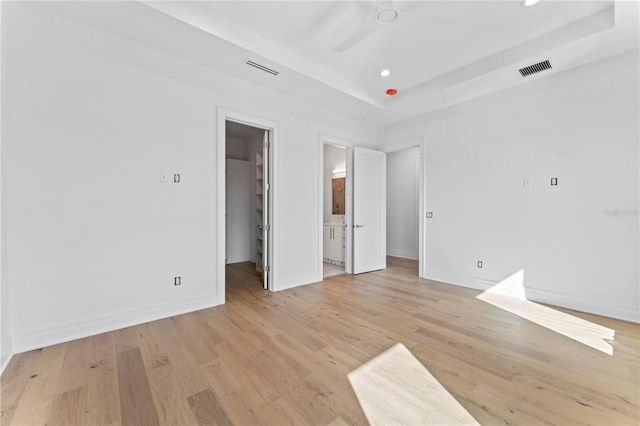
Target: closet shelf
259	211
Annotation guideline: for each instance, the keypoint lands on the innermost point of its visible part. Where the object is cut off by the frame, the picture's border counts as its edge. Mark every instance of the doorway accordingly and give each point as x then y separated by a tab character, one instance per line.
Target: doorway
364	210
402	203
244	195
405	203
334	210
246	199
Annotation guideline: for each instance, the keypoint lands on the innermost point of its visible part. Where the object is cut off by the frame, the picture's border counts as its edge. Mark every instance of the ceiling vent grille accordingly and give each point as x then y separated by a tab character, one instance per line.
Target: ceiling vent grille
535	68
261	67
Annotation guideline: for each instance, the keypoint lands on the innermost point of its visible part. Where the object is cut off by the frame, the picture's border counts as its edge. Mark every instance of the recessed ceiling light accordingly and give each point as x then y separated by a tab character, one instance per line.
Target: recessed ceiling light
387	16
529	3
385	73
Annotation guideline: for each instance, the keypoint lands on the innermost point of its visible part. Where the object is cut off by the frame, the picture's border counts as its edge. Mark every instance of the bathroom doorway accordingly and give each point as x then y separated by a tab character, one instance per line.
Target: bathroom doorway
335	192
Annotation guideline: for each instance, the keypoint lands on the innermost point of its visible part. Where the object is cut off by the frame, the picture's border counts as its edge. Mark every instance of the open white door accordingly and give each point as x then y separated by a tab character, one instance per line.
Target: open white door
369	210
266	211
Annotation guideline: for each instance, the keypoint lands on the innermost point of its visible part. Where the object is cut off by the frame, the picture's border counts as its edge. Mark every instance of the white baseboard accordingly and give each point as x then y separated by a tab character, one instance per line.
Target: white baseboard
402	253
566	301
625	313
459	280
297	281
5	363
39	337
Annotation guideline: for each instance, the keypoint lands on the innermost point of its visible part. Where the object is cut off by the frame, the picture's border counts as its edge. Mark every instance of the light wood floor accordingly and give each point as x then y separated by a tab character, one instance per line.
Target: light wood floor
279	358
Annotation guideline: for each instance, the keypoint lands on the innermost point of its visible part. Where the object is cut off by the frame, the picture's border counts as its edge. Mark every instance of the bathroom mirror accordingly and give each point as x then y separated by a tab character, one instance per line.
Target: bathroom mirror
338	195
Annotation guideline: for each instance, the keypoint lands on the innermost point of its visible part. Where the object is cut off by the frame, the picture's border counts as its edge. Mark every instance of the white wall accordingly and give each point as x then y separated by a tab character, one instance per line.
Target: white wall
240	190
93	239
580	126
5	332
402	203
335	158
236	149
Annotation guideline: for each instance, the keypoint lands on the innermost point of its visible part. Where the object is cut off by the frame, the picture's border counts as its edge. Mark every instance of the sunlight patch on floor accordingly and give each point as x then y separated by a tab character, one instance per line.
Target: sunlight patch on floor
510	295
394	388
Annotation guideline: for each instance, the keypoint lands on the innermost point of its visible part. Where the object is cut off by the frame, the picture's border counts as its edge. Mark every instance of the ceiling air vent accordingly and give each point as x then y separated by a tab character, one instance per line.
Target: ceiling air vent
535	68
261	67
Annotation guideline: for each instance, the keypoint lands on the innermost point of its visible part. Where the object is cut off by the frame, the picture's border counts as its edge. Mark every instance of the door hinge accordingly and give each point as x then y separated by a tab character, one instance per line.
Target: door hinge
266	268
267	186
267	145
267	227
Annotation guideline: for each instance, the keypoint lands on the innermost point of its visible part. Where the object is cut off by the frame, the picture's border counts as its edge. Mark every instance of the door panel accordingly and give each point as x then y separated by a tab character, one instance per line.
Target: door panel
369	210
266	211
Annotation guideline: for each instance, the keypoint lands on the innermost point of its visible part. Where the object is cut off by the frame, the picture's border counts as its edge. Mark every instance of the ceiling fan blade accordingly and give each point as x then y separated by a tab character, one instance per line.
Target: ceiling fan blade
429	8
432	21
365	30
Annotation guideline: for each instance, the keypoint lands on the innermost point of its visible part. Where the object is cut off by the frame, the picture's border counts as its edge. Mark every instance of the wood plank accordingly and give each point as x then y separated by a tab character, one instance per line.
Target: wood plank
103	396
189	374
206	409
75	369
136	402
171	404
69	408
14	382
35	403
152	349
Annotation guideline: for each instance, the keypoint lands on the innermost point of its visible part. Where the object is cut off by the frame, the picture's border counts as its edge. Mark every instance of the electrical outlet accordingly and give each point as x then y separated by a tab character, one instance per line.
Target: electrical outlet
176	177
480	264
177	281
554	181
429	215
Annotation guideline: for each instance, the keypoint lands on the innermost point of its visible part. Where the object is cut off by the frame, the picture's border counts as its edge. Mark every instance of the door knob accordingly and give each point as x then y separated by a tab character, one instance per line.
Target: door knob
359	226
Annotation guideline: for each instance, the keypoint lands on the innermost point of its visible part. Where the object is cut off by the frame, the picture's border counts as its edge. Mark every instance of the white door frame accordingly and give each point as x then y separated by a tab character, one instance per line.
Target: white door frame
348	146
225	114
422	179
